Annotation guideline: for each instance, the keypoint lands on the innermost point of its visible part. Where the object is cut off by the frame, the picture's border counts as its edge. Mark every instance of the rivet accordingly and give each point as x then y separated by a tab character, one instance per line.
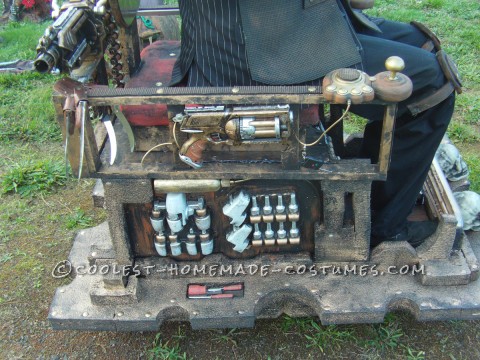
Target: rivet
62	290
259	293
172	54
159	84
377	306
240	312
85	314
235	90
172	301
94	254
119	314
424	304
287	284
326	308
367	89
195	313
311	88
147	315
398	292
160	91
54	313
314	291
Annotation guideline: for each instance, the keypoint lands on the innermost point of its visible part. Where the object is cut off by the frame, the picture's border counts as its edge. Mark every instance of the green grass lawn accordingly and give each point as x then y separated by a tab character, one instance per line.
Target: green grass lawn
37	231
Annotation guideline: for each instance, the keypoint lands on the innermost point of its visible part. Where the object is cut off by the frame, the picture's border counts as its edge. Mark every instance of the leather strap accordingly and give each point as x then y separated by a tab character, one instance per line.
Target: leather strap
431	100
429	34
428	46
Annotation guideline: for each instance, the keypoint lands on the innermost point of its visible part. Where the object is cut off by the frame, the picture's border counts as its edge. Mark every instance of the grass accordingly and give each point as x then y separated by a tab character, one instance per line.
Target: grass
78	220
16	36
31	178
327	337
165	351
26	110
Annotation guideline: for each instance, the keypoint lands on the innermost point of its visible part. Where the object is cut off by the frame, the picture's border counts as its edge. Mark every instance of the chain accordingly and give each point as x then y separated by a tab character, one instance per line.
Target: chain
113	49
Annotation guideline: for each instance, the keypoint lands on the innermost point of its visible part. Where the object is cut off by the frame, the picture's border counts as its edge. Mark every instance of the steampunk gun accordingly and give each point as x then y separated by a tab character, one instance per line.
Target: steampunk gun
75	34
233	126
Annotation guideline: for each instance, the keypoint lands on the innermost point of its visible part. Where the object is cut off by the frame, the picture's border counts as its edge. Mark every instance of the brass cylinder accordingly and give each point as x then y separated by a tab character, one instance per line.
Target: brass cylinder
265	133
262	123
185	186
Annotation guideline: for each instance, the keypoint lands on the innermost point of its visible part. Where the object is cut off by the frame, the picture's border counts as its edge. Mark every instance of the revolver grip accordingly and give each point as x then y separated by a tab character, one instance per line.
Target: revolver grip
192	151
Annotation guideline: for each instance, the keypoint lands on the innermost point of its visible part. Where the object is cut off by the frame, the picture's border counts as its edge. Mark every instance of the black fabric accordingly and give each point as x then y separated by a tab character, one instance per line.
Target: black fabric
289	44
215	55
359	19
416	138
212	40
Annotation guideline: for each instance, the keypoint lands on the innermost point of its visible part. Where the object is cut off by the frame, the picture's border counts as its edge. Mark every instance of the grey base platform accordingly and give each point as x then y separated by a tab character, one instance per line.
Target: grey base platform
149	300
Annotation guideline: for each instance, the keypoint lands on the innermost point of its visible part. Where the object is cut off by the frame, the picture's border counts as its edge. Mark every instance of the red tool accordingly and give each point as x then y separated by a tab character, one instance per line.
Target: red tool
204	290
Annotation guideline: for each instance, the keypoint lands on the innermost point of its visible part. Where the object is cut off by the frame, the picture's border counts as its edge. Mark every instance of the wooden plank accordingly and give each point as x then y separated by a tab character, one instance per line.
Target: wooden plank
387	138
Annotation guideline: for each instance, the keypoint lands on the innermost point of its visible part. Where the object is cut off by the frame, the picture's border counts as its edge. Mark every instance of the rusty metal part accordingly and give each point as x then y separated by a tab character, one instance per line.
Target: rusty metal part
113	47
124	11
77	34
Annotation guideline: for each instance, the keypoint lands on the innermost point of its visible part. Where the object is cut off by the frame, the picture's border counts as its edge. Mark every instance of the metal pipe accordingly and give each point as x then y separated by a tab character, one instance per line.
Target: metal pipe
158	12
185	186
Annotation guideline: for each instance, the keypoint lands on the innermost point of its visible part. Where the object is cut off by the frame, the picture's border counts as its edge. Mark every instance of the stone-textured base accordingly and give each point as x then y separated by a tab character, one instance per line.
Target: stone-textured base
334	299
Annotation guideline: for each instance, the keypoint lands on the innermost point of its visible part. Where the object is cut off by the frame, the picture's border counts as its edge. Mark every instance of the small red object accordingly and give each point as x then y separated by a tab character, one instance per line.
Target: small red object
194	290
233	287
221	296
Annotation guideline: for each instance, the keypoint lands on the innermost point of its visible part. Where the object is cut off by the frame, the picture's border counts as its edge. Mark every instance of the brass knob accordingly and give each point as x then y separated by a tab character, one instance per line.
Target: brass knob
394	64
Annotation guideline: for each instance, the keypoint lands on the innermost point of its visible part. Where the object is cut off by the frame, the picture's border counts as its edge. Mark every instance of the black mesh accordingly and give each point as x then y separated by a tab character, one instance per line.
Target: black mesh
287	44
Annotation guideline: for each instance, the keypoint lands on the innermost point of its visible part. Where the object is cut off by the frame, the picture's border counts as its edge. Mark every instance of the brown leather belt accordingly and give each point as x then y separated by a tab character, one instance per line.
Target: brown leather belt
454	83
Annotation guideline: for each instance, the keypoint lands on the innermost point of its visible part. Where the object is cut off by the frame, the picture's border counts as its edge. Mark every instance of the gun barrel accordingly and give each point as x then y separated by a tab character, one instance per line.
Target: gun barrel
46	60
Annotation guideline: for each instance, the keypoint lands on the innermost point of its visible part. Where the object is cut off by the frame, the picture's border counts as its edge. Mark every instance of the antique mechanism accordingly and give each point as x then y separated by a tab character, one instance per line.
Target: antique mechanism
239	205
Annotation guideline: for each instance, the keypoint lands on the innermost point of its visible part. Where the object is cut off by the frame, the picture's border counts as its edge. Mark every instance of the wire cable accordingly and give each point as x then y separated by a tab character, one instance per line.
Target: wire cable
153	148
329	128
175	135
